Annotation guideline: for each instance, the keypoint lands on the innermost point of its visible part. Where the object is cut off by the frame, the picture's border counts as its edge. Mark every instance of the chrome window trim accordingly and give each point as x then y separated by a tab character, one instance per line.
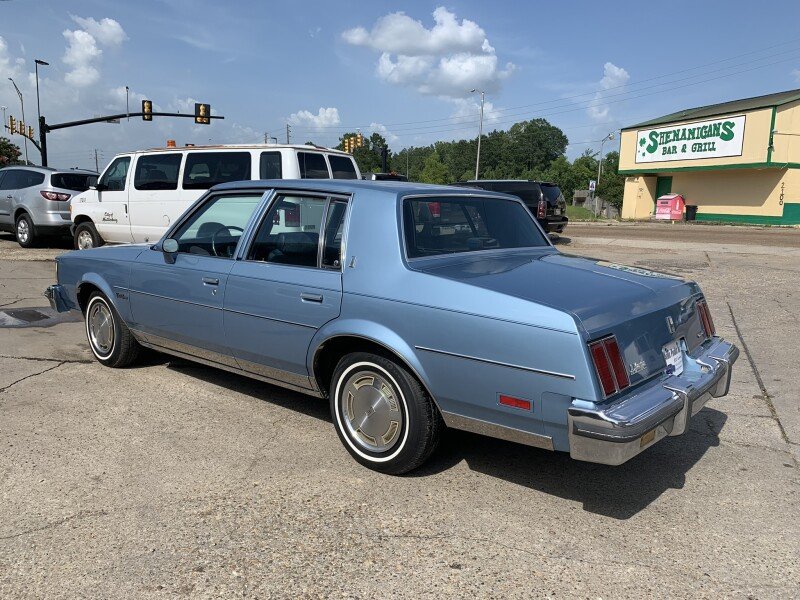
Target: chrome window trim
497	363
488	195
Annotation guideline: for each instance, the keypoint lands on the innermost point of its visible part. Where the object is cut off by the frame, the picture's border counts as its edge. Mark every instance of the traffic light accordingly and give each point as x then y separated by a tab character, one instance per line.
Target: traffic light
30	132
147	110
360	140
202	113
12	125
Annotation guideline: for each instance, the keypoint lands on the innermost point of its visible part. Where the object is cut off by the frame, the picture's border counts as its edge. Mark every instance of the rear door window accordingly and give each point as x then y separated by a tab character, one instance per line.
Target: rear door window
113	179
77	182
157	172
206	169
342	167
270	166
312	165
8	179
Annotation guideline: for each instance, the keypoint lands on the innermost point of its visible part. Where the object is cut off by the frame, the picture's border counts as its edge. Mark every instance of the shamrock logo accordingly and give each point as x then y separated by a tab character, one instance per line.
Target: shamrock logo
642	142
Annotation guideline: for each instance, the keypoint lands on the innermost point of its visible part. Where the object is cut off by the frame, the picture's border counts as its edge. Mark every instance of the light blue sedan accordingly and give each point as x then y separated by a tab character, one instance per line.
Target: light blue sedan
410	307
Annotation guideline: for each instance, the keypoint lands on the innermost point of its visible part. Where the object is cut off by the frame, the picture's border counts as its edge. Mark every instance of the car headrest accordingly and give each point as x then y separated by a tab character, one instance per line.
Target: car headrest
298	242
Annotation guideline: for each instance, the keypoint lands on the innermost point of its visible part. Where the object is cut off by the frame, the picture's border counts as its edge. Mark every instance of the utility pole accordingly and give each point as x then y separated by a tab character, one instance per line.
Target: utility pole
609	137
96	164
127	105
266	137
288	132
480	133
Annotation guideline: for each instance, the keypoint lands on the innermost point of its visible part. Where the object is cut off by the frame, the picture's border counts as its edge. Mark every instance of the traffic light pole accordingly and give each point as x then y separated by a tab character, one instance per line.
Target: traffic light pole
44	128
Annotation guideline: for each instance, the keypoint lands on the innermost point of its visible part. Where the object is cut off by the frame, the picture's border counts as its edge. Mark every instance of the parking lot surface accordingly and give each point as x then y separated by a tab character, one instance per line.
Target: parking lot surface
173	479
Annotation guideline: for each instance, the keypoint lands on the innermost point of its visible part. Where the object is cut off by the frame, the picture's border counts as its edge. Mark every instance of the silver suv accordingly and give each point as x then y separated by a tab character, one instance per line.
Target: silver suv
34	201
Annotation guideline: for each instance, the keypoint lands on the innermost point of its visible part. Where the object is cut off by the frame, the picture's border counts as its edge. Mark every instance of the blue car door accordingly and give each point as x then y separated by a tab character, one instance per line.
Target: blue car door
176	298
287	285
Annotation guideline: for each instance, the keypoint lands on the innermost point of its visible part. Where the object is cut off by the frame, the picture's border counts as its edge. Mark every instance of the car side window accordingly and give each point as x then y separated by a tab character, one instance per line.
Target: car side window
157	172
215	228
312	165
9	179
115	175
28	179
270	166
342	167
290	231
206	169
334	229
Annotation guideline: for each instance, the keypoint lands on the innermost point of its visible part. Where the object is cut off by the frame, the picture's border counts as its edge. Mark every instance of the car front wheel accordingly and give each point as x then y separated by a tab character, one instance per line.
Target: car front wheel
86	236
112	343
26	236
382	414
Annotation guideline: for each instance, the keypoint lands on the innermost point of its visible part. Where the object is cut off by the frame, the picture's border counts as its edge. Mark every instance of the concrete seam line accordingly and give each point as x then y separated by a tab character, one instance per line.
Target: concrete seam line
41	359
760	381
3	389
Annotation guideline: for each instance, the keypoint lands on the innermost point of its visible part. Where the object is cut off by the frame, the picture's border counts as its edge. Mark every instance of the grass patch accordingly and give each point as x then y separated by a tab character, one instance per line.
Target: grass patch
579	213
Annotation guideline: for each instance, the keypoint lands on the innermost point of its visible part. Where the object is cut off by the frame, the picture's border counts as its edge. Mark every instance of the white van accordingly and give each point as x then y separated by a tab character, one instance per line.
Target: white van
140	193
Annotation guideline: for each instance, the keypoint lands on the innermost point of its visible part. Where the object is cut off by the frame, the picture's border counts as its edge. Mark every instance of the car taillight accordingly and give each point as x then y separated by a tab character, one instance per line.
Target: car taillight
705	318
541	211
609	365
55	196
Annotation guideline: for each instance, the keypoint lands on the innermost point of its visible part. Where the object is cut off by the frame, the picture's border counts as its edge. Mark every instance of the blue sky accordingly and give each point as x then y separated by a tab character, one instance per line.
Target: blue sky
328	67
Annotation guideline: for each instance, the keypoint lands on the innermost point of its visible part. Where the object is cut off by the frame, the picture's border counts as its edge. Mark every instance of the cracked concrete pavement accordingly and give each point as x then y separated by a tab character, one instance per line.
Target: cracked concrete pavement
175	480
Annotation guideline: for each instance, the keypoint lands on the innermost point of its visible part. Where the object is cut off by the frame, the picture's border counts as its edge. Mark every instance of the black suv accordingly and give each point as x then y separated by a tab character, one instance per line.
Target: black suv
543	199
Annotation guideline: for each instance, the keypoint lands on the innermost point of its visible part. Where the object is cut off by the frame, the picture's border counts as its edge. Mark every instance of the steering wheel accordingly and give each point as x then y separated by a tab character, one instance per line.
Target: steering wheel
227	228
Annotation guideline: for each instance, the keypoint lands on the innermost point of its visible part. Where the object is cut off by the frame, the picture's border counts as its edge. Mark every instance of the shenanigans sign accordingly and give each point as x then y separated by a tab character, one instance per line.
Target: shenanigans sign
703	139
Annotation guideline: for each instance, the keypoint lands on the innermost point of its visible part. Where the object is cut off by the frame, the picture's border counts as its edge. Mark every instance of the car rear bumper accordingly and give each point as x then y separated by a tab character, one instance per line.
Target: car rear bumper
555	224
614	433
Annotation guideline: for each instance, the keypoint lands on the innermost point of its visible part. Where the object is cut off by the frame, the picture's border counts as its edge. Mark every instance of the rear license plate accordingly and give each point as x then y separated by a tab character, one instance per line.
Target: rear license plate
673	357
557	211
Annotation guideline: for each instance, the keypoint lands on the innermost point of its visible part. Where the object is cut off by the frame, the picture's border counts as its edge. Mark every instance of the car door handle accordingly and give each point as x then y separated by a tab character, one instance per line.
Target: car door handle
306	297
210	280
10	197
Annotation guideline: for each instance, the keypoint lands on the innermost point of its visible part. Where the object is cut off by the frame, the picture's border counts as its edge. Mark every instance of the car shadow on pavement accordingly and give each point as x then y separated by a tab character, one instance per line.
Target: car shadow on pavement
56	242
617	492
560	240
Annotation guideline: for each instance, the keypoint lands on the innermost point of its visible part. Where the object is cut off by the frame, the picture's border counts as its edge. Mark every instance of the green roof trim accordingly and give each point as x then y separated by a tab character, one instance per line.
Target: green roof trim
724	108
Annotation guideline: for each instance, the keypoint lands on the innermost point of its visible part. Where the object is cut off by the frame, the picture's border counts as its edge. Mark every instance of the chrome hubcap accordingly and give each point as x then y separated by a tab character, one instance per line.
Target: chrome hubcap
23	232
85	240
101	328
371	411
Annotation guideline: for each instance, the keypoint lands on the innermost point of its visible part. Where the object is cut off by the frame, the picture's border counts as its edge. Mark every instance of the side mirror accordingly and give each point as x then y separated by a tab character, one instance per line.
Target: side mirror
99	187
169	246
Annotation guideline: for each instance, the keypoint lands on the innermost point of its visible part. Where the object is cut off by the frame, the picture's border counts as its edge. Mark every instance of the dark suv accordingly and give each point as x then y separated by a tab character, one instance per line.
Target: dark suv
543	199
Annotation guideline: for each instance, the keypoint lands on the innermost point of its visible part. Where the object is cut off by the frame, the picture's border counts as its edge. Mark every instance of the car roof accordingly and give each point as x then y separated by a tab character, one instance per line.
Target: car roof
48	169
218	147
479	181
397	188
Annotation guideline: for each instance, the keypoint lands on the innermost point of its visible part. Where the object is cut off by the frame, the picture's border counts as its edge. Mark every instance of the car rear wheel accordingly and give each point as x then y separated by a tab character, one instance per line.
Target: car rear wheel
112	343
86	236
26	236
382	414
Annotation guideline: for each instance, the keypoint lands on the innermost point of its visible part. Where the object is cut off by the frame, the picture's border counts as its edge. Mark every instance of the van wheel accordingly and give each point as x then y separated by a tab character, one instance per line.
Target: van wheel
112	343
26	236
382	414
86	236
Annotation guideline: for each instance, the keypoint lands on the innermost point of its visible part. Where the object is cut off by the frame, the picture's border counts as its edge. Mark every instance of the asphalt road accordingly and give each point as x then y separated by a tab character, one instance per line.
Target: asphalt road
176	480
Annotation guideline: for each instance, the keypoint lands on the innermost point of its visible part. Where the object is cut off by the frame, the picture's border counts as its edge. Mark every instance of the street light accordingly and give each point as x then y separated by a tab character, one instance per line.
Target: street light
3	108
480	131
22	104
608	138
38	110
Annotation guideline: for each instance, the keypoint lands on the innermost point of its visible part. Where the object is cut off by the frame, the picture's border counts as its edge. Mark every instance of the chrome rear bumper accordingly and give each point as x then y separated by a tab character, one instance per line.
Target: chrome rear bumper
614	433
58	298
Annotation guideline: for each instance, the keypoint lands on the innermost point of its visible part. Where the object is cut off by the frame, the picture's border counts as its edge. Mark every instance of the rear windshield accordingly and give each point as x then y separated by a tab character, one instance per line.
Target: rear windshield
551	191
72	181
451	225
205	169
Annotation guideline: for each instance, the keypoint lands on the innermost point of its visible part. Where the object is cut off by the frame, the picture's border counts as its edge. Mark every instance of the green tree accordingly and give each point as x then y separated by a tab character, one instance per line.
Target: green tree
612	184
435	171
9	152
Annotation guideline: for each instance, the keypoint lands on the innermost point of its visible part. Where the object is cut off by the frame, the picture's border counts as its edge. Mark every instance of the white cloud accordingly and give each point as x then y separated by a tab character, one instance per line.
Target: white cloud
83	48
380	128
614	77
445	60
469	109
324	118
107	32
8	66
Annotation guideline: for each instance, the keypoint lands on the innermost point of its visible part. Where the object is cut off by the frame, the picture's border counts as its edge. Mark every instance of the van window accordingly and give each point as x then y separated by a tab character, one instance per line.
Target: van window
114	176
205	169
157	172
77	182
312	166
270	167
342	167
